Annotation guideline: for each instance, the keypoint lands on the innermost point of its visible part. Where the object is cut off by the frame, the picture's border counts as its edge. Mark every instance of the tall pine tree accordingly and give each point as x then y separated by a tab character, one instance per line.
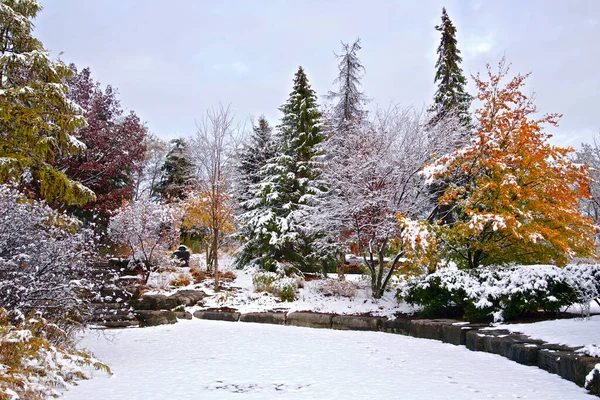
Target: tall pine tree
276	220
257	151
177	172
451	95
350	99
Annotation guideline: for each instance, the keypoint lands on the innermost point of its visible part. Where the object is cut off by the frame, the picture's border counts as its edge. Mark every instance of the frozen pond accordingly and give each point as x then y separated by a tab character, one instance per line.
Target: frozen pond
226	360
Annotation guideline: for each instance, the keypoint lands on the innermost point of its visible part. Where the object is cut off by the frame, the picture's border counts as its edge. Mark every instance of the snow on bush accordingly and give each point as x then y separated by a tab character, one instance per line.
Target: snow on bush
43	255
262	280
148	230
281	286
337	288
37	358
503	293
285	288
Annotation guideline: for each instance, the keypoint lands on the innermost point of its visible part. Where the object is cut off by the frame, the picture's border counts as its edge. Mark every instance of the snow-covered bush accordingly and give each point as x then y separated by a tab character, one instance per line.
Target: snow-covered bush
285	288
148	230
37	358
262	280
337	287
280	285
43	255
502	293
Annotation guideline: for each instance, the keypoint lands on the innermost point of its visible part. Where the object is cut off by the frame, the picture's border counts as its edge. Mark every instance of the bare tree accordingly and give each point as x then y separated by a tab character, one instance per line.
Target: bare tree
213	150
377	193
590	155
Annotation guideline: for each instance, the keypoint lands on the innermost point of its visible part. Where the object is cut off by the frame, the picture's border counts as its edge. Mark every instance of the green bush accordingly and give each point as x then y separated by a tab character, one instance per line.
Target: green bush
490	293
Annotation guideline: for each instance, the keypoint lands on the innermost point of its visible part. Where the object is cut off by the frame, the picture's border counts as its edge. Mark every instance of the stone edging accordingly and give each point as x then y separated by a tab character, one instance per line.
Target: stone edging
556	359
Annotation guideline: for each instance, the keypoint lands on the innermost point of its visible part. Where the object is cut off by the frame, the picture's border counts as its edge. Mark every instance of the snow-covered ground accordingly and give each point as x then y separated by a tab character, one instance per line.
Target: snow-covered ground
201	359
571	332
241	296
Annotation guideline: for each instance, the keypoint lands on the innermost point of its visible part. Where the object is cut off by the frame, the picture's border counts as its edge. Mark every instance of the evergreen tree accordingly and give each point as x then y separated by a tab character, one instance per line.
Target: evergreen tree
451	95
177	172
258	150
37	121
284	197
350	100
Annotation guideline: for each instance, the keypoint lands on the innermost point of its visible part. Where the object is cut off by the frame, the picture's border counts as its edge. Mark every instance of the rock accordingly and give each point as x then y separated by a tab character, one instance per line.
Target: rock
524	353
445	330
188	297
277	318
218	315
398	325
358	323
183	315
154	302
154	318
309	319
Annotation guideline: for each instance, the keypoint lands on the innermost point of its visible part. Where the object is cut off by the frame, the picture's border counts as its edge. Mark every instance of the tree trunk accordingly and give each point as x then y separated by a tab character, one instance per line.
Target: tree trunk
342	265
215	260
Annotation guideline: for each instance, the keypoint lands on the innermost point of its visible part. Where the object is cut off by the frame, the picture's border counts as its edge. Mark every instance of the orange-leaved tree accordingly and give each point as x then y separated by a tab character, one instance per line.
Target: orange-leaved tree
518	196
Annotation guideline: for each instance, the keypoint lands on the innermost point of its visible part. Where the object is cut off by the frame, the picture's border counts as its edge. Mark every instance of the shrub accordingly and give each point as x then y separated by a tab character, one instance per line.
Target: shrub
262	280
338	288
38	357
199	275
502	293
44	256
284	288
226	275
183	279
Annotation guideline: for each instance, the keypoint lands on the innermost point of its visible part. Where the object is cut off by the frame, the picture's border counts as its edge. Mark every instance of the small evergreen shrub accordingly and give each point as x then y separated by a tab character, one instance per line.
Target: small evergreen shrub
493	293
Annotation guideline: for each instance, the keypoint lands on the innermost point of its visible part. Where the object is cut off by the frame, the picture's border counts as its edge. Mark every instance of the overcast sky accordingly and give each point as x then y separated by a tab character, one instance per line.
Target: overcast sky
171	60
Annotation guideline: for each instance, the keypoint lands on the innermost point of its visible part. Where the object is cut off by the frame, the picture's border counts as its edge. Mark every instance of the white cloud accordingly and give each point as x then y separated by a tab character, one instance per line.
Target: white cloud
477	45
239	67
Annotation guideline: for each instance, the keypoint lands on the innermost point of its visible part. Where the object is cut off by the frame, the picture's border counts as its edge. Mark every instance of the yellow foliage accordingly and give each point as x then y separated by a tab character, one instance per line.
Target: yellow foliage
519	197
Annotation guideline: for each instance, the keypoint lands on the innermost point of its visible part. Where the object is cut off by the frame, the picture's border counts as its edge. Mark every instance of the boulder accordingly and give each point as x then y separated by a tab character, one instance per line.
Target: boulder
154	302
276	318
183	314
398	325
218	315
154	318
309	319
358	323
188	297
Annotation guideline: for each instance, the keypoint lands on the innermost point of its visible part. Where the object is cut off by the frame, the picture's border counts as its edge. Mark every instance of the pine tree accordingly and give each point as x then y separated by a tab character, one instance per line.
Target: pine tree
276	220
451	95
37	121
177	172
258	150
350	98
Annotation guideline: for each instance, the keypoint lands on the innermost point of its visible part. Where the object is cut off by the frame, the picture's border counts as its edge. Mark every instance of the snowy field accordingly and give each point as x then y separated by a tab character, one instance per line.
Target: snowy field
201	359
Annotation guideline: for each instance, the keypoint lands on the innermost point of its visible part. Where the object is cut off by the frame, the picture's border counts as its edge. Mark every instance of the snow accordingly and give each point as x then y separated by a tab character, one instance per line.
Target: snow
201	359
309	298
571	332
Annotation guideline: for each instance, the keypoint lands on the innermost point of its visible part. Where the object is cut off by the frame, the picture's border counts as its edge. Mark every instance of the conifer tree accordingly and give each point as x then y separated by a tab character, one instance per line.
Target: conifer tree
451	95
284	197
350	99
177	172
37	121
257	151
